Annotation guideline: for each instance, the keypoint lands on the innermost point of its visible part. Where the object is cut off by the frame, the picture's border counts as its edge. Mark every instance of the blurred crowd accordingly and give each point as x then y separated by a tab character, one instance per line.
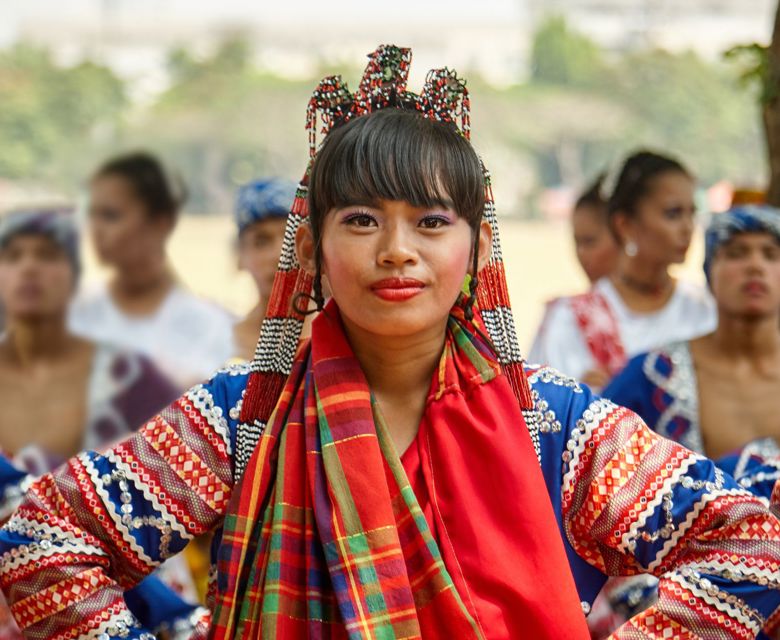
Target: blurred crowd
82	366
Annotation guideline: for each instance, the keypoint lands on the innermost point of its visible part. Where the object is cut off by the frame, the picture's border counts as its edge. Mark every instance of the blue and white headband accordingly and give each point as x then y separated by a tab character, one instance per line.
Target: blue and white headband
263	199
742	219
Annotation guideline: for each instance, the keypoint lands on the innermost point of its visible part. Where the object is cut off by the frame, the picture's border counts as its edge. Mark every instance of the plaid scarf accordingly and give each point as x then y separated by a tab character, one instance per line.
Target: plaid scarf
326	538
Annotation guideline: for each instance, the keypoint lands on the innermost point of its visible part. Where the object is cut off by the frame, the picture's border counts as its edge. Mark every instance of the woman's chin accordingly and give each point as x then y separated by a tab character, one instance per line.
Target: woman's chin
396	323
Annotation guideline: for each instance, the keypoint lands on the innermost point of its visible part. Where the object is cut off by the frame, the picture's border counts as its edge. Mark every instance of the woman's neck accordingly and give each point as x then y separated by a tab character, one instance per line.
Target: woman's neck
399	372
644	287
141	288
397	365
643	274
29	343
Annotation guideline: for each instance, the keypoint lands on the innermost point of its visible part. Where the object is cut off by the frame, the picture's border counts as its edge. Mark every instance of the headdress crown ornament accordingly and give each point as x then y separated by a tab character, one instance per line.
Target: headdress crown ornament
444	98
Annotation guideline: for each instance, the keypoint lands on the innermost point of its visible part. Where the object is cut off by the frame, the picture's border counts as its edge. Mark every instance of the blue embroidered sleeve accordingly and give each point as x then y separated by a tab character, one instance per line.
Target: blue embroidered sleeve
633	502
93	529
152	602
13	483
756	466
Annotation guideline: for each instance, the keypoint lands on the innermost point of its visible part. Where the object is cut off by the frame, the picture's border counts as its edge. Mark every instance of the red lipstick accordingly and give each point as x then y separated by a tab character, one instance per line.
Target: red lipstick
755	287
397	289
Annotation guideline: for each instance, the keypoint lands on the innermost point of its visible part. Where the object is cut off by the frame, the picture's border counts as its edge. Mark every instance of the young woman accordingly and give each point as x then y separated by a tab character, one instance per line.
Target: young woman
639	306
412	479
716	393
719	394
133	210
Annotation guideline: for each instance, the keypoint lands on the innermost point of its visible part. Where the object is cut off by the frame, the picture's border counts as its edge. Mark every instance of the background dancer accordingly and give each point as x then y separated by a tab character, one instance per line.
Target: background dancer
640	305
133	210
60	393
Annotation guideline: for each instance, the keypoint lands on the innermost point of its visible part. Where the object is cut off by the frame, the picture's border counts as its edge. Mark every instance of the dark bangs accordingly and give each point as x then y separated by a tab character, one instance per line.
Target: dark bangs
396	154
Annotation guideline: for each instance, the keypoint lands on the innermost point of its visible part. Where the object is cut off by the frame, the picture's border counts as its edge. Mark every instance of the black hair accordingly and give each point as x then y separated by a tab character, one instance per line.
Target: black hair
593	197
148	179
395	154
636	179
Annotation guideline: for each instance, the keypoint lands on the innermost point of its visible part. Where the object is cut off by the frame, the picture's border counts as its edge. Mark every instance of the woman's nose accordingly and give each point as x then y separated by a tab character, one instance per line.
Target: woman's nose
396	248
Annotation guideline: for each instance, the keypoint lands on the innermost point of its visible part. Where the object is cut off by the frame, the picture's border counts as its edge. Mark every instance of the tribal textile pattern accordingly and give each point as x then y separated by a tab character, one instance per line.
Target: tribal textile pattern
635	502
101	523
667	512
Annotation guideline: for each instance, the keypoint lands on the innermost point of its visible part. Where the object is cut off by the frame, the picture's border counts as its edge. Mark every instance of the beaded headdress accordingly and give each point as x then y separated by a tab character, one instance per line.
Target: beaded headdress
444	98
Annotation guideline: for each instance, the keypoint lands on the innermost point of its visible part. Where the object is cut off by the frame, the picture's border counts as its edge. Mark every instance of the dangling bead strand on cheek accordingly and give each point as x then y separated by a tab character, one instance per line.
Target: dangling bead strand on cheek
473	282
319	299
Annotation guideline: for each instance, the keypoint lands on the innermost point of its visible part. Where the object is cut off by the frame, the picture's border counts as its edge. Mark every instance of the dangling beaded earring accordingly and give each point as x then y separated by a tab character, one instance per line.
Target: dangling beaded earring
469	310
631	249
319	299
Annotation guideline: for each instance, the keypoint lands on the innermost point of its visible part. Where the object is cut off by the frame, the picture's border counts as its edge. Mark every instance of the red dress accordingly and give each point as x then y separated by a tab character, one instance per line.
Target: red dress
463	469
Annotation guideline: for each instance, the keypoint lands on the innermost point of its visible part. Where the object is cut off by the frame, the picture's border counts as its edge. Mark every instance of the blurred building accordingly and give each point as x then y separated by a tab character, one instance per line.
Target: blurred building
706	26
133	37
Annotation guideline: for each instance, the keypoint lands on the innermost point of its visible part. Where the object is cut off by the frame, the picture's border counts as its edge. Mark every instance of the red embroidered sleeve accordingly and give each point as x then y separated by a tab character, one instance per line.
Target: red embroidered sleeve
635	502
101	523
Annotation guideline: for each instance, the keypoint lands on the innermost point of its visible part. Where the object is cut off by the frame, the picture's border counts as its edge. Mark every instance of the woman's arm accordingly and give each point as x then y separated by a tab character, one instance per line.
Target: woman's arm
94	528
634	502
152	602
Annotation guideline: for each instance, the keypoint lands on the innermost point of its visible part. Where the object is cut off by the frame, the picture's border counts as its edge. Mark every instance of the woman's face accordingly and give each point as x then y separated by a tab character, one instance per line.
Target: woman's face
597	250
123	231
663	224
394	269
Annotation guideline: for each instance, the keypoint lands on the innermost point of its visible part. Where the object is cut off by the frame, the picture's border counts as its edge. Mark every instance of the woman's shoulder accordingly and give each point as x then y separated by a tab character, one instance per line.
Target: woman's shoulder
659	363
219	401
554	392
594	295
184	301
562	410
230	381
92	299
693	294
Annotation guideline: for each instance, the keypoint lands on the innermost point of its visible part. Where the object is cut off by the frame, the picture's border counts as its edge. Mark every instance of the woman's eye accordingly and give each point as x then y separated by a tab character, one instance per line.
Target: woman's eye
360	220
433	222
673	214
